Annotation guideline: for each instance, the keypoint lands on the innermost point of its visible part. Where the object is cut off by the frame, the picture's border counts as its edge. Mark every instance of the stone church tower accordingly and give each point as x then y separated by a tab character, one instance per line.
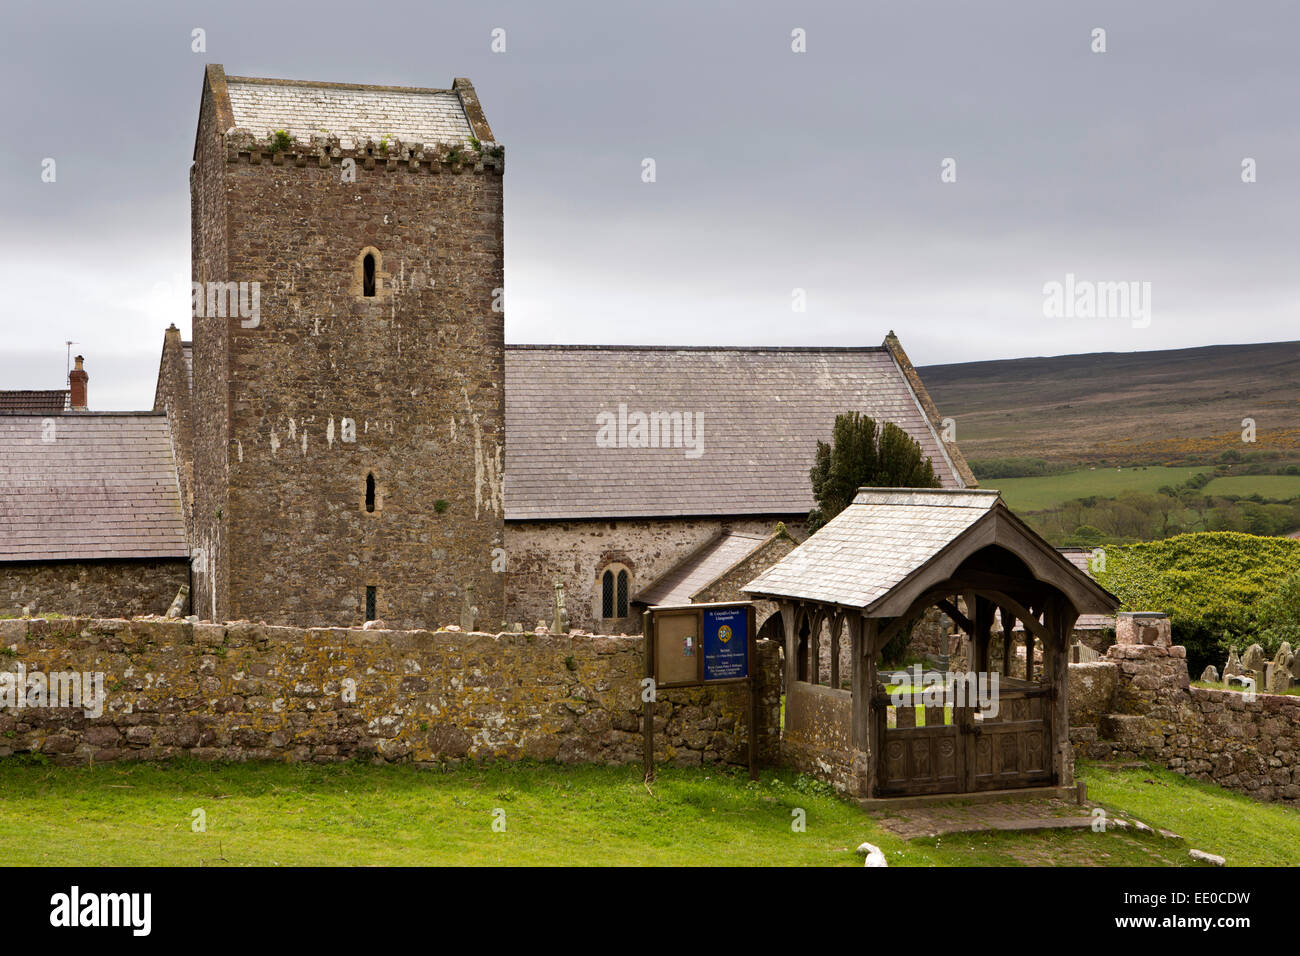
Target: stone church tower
348	354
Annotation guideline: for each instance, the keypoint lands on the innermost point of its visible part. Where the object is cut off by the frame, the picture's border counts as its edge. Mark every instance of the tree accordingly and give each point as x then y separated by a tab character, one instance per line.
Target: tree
862	454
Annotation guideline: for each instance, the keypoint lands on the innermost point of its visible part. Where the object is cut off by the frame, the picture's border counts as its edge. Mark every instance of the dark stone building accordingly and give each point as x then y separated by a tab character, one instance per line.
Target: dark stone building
347	418
352	439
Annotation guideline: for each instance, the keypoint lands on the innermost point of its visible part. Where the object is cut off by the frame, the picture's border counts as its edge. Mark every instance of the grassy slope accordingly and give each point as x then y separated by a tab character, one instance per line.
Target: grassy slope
259	814
1037	494
1278	487
1123	406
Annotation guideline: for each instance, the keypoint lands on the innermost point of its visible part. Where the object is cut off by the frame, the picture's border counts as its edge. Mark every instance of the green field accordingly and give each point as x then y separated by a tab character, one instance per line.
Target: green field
283	814
1048	491
1274	487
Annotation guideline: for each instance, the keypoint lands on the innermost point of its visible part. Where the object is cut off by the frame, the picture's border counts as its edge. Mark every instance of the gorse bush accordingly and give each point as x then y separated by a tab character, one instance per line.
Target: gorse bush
1211	584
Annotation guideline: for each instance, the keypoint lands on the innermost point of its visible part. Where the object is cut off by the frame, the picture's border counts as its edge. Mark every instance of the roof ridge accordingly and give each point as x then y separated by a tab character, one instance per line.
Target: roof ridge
698	348
329	85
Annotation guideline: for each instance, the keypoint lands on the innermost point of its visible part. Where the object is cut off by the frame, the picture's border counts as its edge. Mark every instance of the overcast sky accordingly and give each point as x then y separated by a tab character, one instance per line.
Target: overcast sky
776	170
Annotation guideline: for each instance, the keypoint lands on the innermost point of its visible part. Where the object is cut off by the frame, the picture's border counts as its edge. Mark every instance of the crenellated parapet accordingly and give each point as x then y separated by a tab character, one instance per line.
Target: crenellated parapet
326	149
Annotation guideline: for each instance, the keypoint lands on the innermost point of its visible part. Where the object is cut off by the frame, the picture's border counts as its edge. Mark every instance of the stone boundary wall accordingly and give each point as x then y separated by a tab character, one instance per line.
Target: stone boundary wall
243	691
1138	703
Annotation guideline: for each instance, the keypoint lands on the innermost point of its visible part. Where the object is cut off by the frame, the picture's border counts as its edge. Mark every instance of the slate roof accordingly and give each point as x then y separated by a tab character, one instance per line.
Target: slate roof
47	401
867	550
1079	558
105	487
763	411
352	112
679	583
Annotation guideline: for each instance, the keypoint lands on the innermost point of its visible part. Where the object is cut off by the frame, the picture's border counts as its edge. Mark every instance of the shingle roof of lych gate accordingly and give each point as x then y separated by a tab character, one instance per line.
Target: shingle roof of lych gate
354	113
871	546
104	487
764	410
50	401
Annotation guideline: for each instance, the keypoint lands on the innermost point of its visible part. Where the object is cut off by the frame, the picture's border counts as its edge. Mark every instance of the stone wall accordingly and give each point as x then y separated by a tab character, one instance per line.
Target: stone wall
1138	703
578	552
91	588
243	691
817	736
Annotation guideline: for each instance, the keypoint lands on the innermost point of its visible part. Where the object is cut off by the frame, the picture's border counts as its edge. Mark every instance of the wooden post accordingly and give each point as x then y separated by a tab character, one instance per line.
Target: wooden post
859	734
876	723
983	620
753	696
648	706
1008	625
815	647
837	621
791	664
863	734
1060	619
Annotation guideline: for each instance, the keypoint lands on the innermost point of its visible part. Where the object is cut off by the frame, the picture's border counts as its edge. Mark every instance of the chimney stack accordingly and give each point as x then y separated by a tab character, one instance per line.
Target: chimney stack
77	380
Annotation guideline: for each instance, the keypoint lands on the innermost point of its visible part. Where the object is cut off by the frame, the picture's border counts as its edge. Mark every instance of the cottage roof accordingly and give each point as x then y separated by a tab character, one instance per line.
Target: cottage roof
41	401
88	485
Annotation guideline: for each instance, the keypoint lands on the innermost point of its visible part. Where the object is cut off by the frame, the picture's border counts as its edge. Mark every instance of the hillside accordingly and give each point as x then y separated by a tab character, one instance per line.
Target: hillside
1181	406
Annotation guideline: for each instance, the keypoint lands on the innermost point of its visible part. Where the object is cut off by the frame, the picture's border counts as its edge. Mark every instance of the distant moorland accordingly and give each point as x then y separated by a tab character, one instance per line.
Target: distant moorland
1114	447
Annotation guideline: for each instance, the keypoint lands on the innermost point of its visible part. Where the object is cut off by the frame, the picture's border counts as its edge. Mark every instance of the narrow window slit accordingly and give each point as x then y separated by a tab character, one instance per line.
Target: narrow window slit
368	275
370	492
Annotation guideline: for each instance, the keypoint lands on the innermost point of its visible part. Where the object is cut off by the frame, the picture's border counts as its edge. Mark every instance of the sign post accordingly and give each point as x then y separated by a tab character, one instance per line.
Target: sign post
694	645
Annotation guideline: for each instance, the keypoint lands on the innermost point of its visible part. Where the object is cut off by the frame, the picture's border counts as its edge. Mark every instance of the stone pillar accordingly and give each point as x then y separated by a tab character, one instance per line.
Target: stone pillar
1143	627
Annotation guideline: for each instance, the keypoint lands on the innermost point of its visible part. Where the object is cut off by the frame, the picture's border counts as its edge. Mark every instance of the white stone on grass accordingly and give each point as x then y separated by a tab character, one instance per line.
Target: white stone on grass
875	856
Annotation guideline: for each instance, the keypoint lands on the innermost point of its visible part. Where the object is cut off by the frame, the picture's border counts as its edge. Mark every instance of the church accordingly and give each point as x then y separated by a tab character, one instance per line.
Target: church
348	437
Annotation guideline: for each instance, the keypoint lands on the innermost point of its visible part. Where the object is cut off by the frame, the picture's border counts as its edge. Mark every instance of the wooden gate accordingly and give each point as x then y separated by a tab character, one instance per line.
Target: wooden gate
958	750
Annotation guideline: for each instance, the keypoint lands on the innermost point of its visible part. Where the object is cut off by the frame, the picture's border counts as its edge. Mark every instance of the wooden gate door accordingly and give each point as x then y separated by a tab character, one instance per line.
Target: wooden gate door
930	758
1014	748
930	751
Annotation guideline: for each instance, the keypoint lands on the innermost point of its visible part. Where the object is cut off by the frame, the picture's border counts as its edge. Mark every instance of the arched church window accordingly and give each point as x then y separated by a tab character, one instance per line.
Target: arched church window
615	592
607	594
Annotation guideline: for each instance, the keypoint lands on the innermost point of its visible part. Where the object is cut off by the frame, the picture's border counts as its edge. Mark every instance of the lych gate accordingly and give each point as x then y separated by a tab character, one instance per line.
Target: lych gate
868	576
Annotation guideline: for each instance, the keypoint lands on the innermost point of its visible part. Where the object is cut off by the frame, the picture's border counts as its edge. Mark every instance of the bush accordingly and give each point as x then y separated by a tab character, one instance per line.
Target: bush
1012	467
1211	583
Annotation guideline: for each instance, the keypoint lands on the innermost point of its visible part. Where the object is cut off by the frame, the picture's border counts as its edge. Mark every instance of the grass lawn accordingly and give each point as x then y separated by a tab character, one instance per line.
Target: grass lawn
285	814
1276	487
1048	491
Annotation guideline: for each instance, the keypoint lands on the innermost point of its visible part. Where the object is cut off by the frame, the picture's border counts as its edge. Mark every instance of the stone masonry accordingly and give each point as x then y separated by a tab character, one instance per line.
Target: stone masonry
97	588
296	409
244	691
1138	703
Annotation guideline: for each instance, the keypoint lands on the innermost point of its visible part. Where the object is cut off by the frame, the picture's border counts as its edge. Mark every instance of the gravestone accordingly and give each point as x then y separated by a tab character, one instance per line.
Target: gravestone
560	622
178	605
1279	670
1233	667
1210	675
1252	662
468	610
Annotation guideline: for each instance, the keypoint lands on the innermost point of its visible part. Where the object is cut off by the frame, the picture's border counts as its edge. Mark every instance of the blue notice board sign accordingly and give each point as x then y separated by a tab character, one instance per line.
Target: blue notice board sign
726	643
